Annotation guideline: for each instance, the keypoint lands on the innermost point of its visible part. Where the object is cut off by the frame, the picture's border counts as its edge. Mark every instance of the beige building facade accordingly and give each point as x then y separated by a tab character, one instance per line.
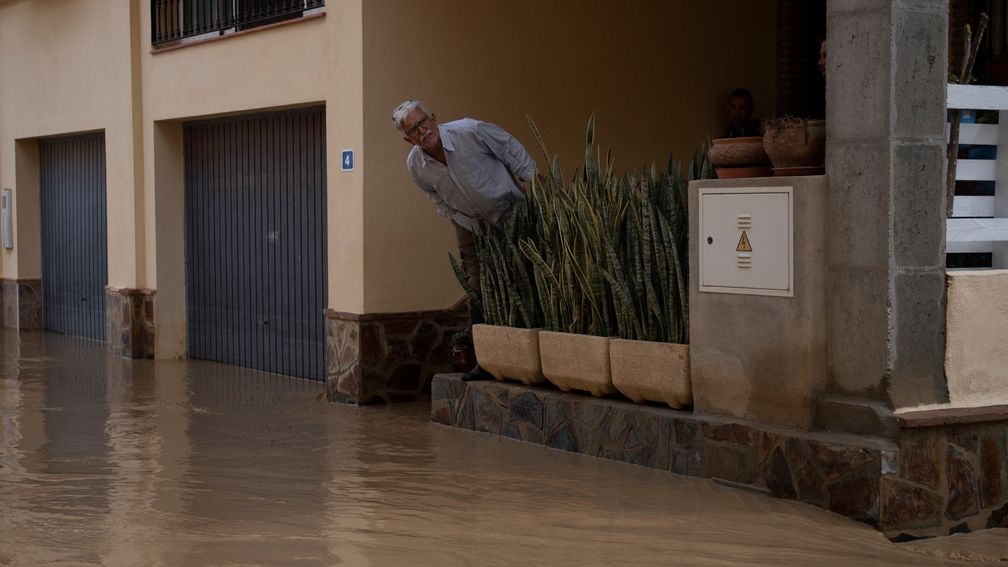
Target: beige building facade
656	74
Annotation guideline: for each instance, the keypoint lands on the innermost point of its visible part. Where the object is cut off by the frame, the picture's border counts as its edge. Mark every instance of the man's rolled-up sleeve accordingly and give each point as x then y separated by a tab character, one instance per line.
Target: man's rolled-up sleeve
507	149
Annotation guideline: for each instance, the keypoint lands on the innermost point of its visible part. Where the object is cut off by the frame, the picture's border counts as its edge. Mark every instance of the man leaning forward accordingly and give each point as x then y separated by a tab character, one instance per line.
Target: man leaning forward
471	170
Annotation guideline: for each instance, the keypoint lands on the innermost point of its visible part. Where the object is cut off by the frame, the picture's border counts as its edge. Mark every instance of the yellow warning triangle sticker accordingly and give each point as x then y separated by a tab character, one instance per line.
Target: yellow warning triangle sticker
743	244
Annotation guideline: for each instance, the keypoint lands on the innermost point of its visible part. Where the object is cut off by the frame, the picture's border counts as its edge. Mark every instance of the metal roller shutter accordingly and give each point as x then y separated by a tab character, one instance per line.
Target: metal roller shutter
74	243
256	241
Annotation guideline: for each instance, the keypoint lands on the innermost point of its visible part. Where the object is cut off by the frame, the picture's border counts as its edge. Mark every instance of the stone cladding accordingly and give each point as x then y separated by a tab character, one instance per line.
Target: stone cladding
21	304
129	322
382	358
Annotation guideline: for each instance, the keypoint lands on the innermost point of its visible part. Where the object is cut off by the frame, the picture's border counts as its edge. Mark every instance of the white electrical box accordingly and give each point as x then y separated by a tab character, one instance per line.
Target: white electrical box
6	219
746	240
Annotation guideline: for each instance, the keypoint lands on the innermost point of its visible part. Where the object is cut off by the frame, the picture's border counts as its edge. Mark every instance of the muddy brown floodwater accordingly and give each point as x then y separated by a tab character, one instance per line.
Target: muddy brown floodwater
108	461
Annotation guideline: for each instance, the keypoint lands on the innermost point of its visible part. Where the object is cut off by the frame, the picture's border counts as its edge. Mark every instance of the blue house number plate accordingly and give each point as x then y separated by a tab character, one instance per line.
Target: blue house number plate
347	160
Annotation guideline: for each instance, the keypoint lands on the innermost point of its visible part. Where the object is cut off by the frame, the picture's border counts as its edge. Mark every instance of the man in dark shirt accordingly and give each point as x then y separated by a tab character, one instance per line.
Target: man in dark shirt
740	109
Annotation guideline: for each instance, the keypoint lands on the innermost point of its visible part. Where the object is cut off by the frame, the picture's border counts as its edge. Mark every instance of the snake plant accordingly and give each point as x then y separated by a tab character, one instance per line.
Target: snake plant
601	254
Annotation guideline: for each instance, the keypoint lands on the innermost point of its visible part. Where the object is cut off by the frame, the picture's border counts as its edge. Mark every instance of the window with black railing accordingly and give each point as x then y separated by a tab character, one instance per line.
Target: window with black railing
174	20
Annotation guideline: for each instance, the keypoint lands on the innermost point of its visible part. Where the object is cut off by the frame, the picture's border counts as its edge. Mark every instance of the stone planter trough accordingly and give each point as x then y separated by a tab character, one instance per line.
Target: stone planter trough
576	362
509	353
652	371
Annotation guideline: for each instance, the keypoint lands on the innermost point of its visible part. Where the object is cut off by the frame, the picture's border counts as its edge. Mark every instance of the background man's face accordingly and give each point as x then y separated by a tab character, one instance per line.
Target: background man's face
822	58
421	129
740	111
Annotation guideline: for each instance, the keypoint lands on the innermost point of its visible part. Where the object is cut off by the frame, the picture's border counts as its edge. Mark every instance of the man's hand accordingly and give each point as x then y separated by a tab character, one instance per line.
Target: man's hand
526	186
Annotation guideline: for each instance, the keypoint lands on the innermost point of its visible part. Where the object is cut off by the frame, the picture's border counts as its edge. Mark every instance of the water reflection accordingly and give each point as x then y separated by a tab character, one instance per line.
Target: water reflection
136	433
117	462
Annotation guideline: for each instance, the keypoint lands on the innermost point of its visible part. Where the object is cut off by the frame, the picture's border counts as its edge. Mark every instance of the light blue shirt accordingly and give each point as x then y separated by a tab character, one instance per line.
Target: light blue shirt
478	182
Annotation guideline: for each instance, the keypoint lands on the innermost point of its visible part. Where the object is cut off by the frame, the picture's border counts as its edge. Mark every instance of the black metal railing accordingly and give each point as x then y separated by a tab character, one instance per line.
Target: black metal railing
173	20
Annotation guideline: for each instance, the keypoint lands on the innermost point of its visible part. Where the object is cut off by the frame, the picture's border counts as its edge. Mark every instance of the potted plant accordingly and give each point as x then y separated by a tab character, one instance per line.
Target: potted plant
606	248
568	263
650	359
739	157
796	146
599	263
507	345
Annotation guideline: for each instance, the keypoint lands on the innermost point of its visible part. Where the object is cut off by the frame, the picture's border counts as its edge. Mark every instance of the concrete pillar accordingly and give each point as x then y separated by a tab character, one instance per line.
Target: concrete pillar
27	251
165	225
886	85
124	150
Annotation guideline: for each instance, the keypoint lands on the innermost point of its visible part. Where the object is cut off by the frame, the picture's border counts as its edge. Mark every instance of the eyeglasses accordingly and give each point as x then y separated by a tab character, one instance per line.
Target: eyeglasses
425	124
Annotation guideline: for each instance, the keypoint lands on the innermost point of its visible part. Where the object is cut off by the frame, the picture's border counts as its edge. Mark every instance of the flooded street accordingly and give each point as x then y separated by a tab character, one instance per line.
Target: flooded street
116	462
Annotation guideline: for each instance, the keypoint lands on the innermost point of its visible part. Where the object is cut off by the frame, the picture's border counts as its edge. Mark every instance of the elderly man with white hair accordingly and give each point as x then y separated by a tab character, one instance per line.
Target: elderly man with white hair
471	170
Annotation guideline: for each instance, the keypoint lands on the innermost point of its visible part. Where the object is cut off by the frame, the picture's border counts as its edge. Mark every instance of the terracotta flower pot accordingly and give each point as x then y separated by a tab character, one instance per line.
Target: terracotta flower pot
657	372
738	152
795	145
509	353
739	172
576	362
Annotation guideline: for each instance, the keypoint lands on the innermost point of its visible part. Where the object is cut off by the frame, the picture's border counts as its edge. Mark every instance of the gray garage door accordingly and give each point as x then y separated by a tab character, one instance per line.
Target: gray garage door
255	241
74	244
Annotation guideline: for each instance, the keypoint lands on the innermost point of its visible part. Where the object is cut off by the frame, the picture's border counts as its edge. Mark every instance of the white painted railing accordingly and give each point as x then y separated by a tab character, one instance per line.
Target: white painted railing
980	224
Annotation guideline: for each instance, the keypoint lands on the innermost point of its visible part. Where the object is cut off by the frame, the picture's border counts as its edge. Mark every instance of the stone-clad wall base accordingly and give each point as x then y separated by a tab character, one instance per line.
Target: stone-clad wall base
381	358
21	304
129	322
930	481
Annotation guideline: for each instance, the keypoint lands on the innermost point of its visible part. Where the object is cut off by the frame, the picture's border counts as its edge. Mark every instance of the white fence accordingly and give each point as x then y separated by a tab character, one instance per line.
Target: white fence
980	223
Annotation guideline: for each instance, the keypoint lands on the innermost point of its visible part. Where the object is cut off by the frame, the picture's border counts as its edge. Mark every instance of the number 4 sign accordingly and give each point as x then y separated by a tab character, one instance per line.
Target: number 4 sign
347	160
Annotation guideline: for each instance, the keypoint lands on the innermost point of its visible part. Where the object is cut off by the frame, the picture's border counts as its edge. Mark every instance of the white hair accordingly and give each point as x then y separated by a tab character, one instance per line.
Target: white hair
403	110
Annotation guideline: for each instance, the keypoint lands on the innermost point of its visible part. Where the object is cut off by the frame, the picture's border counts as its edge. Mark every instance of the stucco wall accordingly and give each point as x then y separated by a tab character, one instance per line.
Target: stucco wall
656	74
56	74
976	351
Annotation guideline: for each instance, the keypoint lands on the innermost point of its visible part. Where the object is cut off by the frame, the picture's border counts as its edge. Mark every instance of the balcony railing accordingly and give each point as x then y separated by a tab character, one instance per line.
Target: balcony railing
176	20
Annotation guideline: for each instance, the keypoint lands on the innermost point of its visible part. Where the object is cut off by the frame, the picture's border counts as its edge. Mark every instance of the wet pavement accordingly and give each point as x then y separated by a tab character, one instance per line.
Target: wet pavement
116	462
